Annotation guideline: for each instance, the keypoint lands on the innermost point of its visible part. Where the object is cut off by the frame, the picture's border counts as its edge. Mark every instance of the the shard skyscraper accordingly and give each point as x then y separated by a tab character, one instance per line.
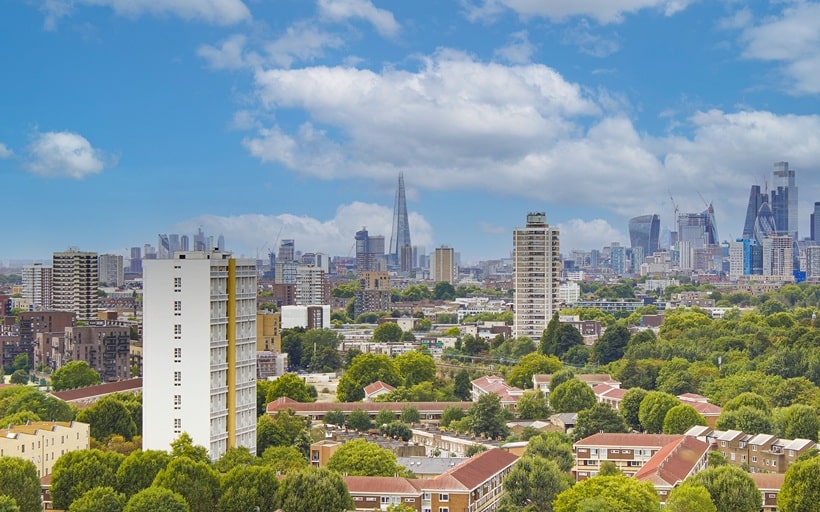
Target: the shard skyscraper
400	237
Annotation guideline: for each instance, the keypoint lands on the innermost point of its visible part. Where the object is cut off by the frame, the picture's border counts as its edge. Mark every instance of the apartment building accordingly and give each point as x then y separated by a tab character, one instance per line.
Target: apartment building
474	486
629	452
76	279
536	275
43	442
106	349
37	286
491	384
673	464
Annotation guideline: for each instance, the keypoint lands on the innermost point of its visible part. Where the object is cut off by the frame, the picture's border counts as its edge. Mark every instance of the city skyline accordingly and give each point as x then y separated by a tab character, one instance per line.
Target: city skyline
251	119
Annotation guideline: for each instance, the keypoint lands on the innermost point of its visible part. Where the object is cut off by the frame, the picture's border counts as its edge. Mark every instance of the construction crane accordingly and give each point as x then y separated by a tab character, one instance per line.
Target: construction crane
674	205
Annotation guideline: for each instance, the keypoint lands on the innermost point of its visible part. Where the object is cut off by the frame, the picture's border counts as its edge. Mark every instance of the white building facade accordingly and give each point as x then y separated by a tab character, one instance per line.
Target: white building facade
75	283
37	286
536	273
199	351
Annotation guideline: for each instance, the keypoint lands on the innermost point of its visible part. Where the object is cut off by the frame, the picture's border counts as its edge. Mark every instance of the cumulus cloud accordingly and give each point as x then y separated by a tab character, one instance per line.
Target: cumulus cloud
588	234
519	50
216	12
603	11
342	10
589	42
247	233
792	39
228	54
64	154
5	152
519	131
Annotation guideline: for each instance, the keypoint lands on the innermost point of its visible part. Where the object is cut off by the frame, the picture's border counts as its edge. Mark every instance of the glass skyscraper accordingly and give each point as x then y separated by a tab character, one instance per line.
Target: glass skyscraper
644	232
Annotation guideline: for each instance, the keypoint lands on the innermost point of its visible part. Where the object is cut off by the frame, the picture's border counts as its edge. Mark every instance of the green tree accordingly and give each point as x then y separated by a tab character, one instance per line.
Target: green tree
488	416
561	376
19	481
531	364
183	446
7	503
613	492
553	446
19	377
284	459
462	386
359	420
291	386
75	374
233	457
410	414
312	490
800	492
99	499
335	417
747	419
444	291
362	458
630	406
21	362
533	483
565	338
689	498
157	499
138	470
450	414
385	416
81	470
396	430
387	332
108	416
19	418
599	418
731	488
608	468
533	405
681	418
653	410
415	367
799	422
611	346
366	369
748	399
283	429
249	488
572	396
197	482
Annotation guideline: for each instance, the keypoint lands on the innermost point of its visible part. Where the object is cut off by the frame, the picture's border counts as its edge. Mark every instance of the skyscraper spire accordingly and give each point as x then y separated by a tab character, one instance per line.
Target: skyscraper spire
400	237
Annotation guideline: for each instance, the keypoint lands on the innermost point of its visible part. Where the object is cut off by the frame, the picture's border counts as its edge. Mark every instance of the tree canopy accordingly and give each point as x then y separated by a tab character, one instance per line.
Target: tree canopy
619	493
74	374
731	488
314	489
19	480
366	369
362	458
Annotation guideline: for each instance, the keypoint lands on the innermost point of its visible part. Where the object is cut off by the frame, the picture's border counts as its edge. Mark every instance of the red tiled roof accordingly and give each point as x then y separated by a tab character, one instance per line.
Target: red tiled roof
768	481
673	463
376	387
80	394
692	397
616	440
494	384
705	409
320	408
379	485
478	469
605	390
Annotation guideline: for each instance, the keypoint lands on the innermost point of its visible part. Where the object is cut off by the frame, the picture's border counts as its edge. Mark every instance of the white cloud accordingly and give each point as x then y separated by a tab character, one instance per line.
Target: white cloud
342	10
228	55
588	234
520	131
248	233
603	11
64	154
519	50
216	12
792	39
5	152
302	41
589	42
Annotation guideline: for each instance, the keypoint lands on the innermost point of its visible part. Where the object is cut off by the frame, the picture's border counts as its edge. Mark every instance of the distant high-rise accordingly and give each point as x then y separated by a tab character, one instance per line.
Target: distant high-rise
778	256
287	251
369	251
644	231
110	268
199	240
37	286
617	259
199	318
814	223
400	237
184	243
76	279
784	200
764	224
536	275
756	200
135	265
698	229
443	265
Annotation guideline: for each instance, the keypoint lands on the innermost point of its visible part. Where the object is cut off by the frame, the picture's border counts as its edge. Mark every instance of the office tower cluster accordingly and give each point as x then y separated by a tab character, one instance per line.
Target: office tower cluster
170	244
769	245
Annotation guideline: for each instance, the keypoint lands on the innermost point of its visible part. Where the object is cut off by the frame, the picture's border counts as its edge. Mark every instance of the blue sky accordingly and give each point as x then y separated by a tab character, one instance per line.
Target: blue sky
261	119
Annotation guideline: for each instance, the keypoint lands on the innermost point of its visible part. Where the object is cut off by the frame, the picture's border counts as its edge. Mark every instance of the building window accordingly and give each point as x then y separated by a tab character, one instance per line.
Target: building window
444	497
754	458
177	378
177	354
177	307
443	509
177	401
177	329
177	425
177	284
774	462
